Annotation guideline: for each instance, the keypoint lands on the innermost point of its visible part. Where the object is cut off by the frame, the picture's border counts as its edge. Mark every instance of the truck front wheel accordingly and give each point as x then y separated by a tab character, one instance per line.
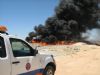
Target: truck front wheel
49	70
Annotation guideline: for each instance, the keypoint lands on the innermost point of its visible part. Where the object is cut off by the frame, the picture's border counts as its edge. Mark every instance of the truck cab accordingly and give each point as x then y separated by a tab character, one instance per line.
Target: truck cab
17	57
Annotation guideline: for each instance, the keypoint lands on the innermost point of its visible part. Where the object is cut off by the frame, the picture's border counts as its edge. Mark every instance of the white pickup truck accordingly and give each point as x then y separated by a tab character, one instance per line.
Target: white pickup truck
17	57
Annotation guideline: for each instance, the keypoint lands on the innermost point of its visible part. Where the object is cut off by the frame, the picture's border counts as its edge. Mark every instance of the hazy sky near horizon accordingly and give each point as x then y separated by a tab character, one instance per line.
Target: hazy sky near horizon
20	16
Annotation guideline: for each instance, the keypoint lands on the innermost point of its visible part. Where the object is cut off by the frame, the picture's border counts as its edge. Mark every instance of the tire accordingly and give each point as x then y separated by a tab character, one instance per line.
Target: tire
49	70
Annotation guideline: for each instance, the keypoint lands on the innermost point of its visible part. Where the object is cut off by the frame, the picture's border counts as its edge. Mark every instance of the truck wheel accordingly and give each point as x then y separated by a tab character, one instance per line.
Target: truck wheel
49	70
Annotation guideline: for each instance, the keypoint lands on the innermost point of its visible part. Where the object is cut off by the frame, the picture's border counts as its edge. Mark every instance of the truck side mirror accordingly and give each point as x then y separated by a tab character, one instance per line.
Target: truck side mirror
35	52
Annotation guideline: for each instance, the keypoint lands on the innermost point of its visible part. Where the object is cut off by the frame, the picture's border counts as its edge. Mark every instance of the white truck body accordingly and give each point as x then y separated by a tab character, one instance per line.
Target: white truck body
17	57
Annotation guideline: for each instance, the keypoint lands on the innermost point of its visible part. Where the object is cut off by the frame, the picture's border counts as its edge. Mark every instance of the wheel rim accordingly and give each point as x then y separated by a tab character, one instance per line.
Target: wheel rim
49	72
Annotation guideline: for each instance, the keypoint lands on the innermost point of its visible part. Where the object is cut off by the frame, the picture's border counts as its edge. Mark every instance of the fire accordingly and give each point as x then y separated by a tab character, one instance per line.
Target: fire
55	43
60	42
43	43
33	41
3	28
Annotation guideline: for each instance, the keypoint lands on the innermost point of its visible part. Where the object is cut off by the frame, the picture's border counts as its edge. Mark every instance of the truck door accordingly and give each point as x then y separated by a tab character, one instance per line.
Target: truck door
5	65
23	62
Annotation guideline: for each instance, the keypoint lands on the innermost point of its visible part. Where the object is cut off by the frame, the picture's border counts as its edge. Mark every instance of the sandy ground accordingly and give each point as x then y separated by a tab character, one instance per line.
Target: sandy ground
77	59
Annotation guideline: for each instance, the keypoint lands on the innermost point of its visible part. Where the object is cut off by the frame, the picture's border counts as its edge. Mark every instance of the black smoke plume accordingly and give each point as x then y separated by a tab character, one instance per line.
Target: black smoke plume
71	19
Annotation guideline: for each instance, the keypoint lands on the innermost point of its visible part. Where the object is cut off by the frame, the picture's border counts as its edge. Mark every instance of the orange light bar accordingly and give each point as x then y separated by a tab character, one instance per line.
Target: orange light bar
3	28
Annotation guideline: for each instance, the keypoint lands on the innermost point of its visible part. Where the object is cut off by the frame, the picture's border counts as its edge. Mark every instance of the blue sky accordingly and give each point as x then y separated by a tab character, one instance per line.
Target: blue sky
20	16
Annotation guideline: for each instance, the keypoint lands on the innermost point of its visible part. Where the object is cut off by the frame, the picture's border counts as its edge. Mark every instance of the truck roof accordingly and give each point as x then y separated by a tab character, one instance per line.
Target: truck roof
7	35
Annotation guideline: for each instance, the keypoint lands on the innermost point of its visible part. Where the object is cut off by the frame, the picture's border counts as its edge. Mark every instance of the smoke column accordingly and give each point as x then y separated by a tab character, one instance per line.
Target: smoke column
93	35
73	20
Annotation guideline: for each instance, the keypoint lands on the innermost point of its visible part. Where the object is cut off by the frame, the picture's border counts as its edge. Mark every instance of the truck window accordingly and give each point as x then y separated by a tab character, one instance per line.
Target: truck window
2	48
20	48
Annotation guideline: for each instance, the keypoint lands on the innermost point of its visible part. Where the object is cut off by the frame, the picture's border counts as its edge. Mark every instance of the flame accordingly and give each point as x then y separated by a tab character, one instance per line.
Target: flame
60	43
55	43
43	43
33	41
3	28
